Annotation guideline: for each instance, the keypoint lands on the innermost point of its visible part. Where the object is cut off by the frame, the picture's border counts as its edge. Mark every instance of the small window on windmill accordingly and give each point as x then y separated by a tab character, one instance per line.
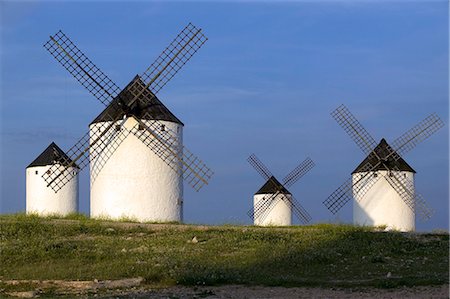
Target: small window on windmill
404	175
163	128
118	127
48	171
375	174
390	174
36	172
140	127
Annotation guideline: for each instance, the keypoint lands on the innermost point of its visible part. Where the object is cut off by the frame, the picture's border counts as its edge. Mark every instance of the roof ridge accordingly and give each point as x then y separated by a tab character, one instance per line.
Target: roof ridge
155	111
272	185
51	155
382	150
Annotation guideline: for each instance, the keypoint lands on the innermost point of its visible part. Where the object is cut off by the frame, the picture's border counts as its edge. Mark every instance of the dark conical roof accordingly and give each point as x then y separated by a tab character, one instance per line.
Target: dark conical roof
383	149
51	155
272	186
156	110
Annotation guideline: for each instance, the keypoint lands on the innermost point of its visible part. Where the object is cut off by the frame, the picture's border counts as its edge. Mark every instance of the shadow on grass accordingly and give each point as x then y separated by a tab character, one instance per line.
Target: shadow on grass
317	255
328	257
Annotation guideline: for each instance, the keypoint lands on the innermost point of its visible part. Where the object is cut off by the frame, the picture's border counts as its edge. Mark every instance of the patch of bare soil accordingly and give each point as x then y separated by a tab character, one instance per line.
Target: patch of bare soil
259	292
133	288
64	287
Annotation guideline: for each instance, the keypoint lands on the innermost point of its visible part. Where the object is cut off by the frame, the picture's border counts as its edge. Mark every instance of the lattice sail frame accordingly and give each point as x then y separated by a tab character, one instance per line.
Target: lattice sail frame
354	129
259	166
82	68
180	50
407	191
299	171
80	154
405	143
268	202
111	142
173	153
424	129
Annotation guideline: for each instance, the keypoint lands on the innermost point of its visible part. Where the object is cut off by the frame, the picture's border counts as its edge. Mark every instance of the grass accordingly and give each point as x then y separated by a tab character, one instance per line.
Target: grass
79	248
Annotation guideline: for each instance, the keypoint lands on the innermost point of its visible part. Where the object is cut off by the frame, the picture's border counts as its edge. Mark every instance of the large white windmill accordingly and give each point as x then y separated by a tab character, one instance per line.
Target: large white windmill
42	200
273	204
382	186
135	147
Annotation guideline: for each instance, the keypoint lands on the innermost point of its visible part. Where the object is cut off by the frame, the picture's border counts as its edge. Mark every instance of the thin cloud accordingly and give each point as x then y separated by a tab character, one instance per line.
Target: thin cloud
34	135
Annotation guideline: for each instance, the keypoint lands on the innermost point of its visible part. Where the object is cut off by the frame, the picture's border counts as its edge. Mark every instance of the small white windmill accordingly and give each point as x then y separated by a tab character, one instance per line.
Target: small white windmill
382	186
42	200
135	147
273	204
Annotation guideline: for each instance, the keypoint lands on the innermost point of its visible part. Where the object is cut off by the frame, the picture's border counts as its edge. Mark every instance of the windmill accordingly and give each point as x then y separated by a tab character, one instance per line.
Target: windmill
135	145
382	186
273	204
42	200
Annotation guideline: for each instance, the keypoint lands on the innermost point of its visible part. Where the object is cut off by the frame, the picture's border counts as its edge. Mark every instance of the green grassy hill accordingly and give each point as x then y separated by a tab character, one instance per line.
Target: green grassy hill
34	248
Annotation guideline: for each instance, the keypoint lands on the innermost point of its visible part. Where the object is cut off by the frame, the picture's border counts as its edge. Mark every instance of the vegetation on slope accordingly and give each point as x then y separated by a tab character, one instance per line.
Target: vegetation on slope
34	248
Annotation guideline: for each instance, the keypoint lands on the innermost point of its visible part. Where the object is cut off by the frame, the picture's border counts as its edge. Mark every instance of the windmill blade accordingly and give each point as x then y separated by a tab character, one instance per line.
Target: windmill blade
79	66
299	210
155	77
406	190
163	144
271	202
195	172
340	197
251	213
58	175
345	193
298	172
166	146
180	50
259	167
262	206
364	184
111	143
422	208
417	134
64	166
354	129
266	204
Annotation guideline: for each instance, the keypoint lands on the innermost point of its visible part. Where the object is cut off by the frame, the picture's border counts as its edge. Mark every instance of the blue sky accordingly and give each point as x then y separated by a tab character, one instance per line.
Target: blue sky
264	83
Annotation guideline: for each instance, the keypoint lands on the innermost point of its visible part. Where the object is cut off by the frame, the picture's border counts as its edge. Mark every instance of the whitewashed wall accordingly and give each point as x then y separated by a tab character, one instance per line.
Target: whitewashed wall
135	183
382	205
279	215
42	200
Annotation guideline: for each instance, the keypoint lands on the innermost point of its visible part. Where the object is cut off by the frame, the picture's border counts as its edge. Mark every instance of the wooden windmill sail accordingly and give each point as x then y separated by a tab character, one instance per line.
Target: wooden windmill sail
383	165
129	103
273	203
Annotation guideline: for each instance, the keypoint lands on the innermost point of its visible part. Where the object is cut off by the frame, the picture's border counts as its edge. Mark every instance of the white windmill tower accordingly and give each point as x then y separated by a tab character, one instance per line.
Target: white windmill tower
42	200
381	204
273	204
138	161
382	186
152	189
